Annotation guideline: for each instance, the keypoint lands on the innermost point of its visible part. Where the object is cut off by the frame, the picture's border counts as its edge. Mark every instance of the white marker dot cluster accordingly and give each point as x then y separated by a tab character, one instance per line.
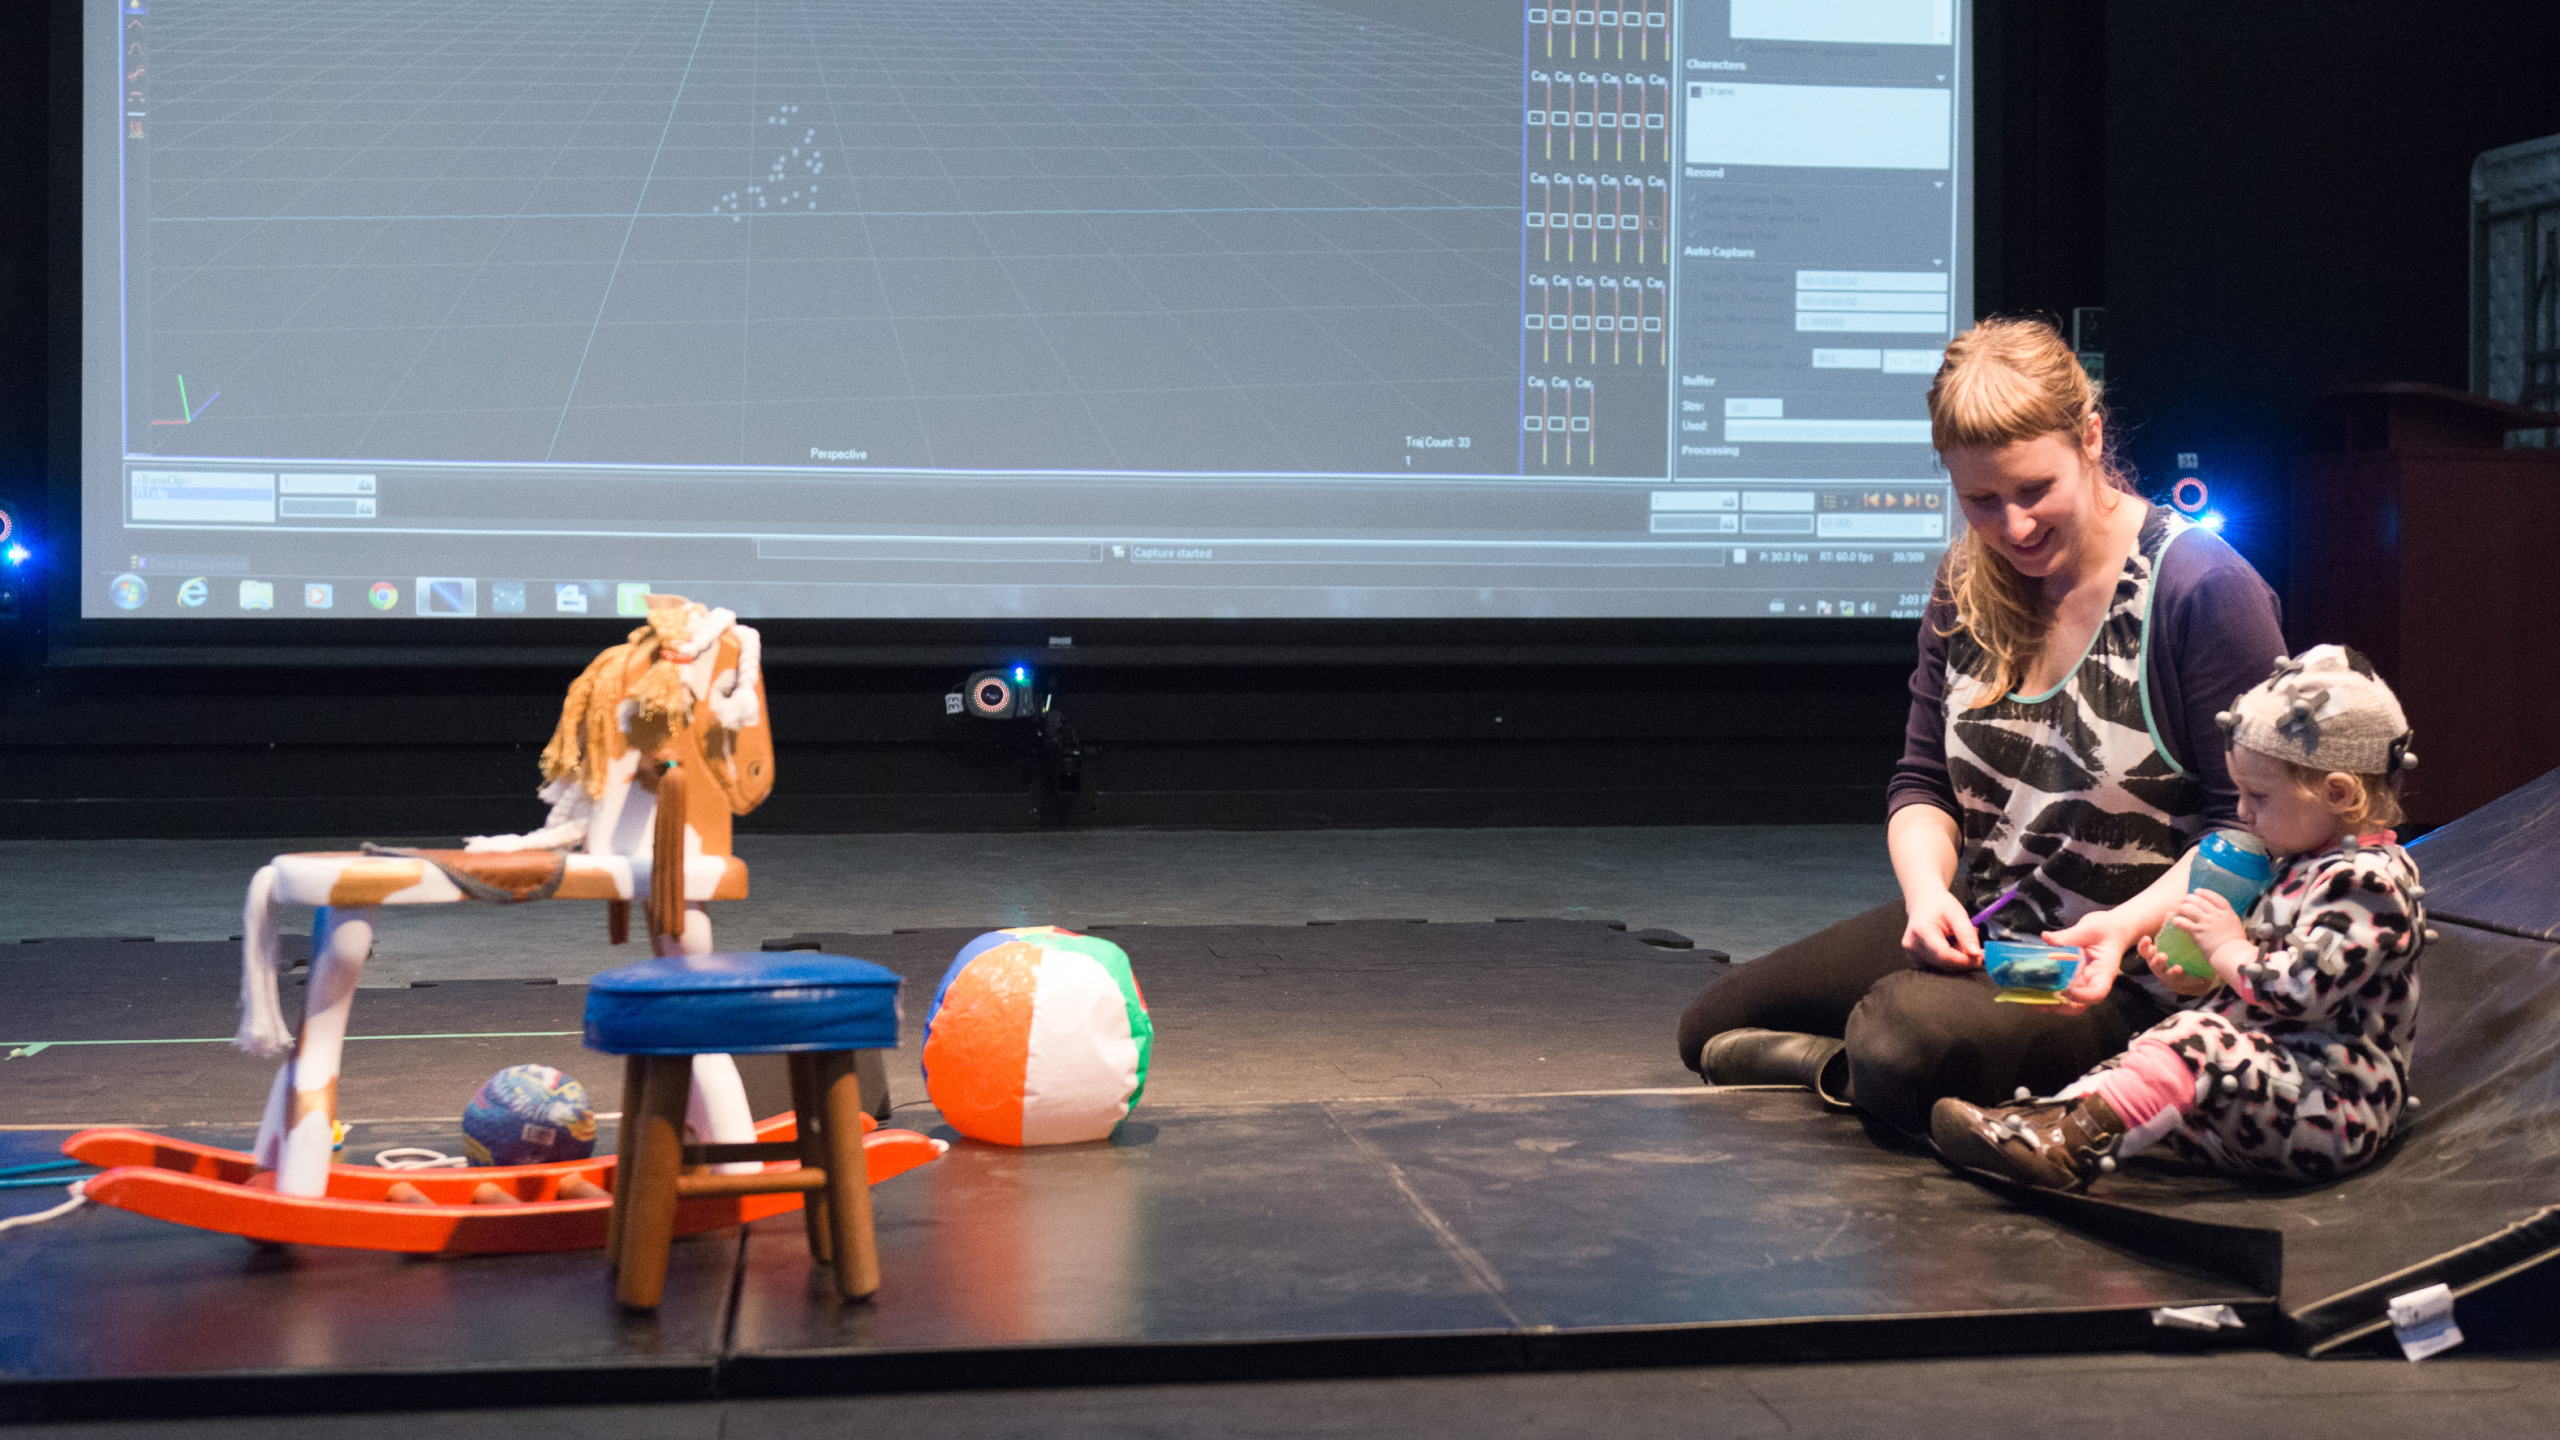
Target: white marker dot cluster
795	165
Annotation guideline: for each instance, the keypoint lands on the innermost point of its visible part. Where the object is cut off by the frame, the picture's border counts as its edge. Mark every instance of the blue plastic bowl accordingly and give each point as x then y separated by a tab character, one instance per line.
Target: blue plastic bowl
2029	964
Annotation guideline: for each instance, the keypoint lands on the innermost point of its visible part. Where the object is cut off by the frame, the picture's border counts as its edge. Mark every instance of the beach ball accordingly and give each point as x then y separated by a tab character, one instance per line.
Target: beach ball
1037	1036
529	1115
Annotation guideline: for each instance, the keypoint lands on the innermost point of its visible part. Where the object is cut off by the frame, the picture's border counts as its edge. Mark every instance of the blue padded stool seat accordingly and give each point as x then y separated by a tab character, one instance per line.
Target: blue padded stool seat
756	1003
820	1011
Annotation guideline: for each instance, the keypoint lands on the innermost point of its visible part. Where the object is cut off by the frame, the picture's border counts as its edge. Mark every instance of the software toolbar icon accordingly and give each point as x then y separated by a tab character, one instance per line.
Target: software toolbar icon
384	595
129	591
631	597
195	592
257	595
569	599
316	596
448	595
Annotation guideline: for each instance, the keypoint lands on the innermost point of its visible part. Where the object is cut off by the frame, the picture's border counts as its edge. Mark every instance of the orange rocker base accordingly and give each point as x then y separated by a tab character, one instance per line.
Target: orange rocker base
225	1191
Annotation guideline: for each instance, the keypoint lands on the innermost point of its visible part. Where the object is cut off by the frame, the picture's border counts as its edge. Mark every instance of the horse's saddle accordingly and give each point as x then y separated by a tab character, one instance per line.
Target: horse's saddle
503	877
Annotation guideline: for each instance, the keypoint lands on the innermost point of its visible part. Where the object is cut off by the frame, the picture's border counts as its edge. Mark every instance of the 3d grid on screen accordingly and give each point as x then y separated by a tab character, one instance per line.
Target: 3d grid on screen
1037	1036
529	1115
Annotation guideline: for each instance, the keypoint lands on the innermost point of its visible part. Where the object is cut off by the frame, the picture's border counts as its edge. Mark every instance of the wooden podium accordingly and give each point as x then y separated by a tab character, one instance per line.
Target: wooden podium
2419	539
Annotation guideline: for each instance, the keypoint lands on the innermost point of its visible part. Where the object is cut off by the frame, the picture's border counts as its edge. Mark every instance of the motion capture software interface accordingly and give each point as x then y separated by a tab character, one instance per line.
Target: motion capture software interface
1040	308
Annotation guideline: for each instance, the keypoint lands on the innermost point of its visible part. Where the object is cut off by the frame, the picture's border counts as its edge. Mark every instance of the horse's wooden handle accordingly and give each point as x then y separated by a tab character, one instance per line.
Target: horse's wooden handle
666	861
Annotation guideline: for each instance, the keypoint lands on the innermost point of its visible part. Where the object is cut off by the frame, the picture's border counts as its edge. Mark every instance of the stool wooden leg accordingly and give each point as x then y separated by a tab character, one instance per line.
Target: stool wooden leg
813	1151
635	1076
857	1263
649	1215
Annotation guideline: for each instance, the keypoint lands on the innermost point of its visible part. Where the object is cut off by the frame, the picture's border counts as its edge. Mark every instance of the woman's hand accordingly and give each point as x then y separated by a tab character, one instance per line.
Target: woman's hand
1940	935
2102	937
2173	974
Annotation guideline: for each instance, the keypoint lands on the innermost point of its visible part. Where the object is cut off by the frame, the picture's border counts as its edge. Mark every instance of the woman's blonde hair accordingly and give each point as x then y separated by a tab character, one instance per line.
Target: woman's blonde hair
2004	381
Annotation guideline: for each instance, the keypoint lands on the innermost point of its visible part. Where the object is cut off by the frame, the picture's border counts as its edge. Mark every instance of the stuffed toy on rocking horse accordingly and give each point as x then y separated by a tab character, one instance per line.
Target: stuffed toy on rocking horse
662	740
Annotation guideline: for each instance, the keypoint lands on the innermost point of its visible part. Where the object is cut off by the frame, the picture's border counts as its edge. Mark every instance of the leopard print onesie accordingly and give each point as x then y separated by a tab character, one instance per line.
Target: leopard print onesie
2305	1077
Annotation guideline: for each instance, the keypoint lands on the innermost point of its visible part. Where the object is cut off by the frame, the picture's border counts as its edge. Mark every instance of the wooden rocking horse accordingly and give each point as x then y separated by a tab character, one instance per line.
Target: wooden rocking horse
661	742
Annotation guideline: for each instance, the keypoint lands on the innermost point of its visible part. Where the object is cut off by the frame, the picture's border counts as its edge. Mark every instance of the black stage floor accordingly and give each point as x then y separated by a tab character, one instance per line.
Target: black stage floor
1396	1188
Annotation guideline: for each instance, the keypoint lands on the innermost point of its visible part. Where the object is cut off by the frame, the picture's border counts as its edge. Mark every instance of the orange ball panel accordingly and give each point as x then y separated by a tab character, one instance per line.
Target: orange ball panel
981	1044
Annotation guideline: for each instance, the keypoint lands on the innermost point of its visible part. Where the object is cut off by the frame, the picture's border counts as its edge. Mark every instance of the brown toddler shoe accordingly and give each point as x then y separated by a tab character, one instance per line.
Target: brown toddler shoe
2051	1144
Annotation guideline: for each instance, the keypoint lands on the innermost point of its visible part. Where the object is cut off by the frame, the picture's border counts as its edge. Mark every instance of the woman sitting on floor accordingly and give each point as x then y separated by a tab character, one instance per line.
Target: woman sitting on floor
2062	741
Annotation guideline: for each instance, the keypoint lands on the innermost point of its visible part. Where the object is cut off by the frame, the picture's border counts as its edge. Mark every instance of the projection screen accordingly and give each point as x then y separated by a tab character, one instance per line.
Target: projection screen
1018	308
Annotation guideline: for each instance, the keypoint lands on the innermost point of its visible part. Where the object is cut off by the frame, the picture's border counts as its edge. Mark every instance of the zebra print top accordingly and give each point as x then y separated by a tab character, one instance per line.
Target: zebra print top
2071	795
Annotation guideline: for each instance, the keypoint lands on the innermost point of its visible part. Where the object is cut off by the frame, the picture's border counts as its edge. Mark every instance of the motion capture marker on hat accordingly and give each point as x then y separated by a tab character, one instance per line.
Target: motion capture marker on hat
1037	1036
2325	708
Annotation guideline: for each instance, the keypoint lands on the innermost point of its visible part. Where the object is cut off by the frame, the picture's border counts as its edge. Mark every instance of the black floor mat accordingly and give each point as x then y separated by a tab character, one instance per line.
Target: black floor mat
1393	1236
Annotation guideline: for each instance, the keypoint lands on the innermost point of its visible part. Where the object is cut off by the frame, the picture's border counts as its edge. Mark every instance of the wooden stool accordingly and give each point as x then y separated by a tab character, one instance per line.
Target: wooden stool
820	1010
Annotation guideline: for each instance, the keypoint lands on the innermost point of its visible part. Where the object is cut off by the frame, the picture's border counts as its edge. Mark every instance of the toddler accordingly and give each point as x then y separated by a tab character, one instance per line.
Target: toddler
2293	1060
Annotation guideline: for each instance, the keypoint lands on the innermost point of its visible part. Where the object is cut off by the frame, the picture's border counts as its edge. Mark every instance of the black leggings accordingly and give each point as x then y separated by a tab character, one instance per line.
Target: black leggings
1914	1035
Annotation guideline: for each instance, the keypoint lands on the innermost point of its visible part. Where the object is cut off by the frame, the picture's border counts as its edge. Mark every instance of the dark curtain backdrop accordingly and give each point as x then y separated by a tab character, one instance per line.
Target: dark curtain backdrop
2286	201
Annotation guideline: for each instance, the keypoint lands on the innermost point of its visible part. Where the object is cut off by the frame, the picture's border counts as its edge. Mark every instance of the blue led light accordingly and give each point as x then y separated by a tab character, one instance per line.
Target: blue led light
17	554
2212	520
1020	675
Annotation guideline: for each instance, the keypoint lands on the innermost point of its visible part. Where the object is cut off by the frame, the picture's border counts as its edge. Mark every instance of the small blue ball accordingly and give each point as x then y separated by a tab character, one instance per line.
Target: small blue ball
529	1115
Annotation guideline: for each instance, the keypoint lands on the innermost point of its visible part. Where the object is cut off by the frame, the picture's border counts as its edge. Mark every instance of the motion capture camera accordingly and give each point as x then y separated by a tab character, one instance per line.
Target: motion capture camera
1050	758
996	695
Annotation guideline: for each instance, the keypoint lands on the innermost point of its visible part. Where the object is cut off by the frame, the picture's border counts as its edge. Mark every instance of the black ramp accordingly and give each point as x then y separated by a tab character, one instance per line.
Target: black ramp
2498	868
2467	1190
1595	1228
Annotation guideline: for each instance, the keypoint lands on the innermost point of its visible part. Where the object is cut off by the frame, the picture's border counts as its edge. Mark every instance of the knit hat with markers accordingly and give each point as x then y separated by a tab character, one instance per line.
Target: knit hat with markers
2324	708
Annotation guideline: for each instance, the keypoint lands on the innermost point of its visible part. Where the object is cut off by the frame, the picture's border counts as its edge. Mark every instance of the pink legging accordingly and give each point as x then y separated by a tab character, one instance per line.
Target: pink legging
2149	1080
